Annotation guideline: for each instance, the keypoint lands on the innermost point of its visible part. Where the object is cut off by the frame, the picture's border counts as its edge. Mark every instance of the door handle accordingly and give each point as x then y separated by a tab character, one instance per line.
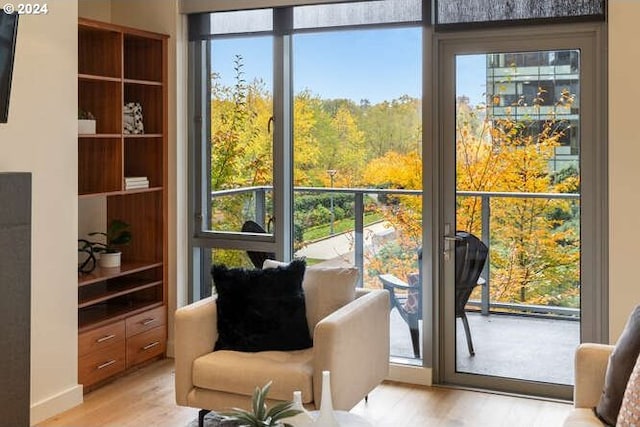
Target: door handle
449	246
448	239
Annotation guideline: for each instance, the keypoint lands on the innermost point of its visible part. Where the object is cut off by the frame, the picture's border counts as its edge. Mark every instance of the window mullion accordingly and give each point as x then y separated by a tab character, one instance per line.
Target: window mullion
283	133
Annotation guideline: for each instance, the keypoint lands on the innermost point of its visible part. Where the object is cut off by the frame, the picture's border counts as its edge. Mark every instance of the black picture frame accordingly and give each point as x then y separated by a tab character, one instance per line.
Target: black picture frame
8	36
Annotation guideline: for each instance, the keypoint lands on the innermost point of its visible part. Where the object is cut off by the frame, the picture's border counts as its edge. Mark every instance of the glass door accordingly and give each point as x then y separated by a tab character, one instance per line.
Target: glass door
513	242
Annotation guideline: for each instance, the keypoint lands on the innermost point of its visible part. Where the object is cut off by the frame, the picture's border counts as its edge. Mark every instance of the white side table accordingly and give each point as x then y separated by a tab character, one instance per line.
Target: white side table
347	419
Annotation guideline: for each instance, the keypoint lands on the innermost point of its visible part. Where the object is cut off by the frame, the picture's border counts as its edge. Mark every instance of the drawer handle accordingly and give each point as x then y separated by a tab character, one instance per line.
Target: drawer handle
153	344
148	321
105	338
105	364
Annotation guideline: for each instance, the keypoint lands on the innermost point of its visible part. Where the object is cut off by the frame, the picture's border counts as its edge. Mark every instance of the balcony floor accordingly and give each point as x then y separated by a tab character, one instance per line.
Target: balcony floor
507	346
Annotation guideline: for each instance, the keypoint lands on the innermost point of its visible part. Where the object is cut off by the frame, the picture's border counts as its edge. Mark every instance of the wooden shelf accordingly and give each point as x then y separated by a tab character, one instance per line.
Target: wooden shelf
93	77
99	50
99	135
94	295
143	82
141	190
120	192
142	135
102	98
120	135
101	274
102	314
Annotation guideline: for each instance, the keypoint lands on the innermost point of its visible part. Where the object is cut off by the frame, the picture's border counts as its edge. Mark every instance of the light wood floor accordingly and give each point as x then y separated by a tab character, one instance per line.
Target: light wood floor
145	398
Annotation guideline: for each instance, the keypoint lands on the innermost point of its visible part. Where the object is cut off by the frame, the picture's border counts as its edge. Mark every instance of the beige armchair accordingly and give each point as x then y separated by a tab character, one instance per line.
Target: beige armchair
352	342
590	368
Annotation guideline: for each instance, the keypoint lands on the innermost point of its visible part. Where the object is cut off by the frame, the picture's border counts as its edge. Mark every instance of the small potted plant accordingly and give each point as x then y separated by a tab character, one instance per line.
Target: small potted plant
259	416
86	122
117	234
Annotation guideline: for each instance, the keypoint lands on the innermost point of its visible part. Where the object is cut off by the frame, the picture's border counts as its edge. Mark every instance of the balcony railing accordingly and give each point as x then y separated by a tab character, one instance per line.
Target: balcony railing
485	304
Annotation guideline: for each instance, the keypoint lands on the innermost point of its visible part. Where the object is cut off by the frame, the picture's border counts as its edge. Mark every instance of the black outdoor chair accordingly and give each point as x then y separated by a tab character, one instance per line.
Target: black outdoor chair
471	255
257	258
408	301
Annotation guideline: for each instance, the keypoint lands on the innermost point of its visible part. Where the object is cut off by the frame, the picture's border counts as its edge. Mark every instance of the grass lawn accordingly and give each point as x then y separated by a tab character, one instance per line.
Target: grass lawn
339	226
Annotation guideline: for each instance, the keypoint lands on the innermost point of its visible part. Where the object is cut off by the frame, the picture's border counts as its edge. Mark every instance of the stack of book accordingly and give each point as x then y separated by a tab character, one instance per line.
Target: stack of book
135	182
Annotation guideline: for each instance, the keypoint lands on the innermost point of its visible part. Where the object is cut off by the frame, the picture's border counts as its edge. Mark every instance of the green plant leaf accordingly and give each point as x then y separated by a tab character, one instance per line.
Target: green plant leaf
259	405
118	233
259	416
282	410
122	239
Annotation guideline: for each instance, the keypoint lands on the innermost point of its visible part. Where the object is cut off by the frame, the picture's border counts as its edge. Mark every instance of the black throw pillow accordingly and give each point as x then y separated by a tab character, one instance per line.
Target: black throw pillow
621	363
261	310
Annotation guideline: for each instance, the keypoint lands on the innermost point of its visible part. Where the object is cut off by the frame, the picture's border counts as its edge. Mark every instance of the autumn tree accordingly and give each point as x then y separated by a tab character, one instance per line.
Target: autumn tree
402	212
241	151
533	259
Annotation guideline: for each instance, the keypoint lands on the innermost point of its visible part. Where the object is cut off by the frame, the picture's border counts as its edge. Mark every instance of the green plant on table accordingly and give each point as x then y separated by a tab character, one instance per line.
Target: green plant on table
259	416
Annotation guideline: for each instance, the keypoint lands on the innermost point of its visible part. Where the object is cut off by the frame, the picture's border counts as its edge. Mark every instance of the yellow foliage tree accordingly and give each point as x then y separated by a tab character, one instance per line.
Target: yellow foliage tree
403	212
534	259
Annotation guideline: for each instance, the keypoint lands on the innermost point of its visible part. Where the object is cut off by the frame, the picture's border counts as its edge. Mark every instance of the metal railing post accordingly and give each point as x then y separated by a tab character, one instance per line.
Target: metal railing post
359	235
260	194
486	239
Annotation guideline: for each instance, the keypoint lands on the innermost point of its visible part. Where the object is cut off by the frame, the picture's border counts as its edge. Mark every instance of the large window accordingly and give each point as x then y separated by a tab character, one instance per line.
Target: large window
336	92
313	136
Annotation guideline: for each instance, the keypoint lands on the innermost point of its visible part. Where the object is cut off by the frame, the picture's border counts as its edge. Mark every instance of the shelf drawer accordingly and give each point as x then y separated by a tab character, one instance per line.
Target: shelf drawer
101	364
99	338
146	345
145	321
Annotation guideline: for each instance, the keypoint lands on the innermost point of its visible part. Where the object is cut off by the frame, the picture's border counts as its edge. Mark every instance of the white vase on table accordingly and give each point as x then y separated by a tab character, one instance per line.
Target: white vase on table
326	417
304	418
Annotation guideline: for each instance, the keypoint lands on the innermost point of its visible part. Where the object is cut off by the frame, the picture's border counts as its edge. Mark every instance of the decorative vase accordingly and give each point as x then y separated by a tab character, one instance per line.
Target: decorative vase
109	259
303	419
326	417
86	127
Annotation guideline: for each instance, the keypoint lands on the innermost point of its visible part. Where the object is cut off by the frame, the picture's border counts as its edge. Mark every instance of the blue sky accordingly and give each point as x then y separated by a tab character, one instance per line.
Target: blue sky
377	65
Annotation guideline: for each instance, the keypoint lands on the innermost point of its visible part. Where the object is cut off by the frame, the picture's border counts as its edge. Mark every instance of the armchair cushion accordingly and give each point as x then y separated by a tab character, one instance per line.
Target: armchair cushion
621	363
326	289
260	310
239	372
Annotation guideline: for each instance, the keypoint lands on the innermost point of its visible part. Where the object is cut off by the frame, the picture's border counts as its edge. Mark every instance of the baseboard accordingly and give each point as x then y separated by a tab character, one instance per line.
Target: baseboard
56	404
410	374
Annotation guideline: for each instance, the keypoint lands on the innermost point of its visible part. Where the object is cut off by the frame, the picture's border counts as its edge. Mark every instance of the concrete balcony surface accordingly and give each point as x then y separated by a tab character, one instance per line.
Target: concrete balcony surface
511	346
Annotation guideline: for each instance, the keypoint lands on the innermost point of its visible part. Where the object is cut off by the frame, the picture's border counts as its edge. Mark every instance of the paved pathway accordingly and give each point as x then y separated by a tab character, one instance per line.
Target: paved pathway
341	245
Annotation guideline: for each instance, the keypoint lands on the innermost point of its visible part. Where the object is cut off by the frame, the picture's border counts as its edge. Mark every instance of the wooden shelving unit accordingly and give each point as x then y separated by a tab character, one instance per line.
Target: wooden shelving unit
119	311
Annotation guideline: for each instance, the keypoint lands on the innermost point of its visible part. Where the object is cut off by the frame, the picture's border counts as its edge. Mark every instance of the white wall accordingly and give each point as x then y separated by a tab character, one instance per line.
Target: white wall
624	158
99	10
41	137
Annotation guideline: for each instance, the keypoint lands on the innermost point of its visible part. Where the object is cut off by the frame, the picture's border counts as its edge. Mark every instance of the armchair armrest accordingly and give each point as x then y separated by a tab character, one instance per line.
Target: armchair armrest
591	362
196	333
353	343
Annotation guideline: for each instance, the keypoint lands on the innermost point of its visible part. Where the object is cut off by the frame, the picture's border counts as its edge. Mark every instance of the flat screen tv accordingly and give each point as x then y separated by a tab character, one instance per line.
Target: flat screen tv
8	31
